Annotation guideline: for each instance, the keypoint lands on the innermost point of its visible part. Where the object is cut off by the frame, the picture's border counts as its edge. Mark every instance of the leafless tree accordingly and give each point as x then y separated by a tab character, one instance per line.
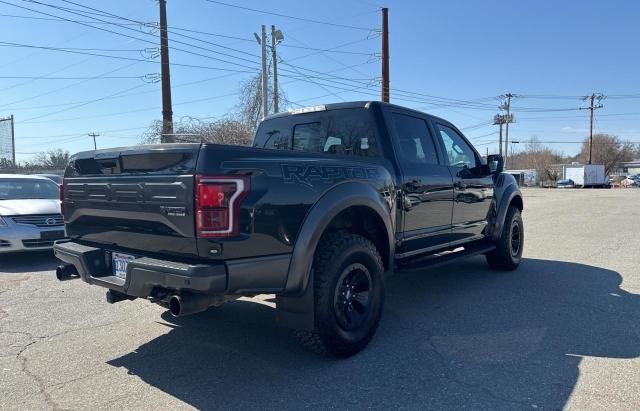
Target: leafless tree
607	150
539	157
223	131
250	106
236	128
53	159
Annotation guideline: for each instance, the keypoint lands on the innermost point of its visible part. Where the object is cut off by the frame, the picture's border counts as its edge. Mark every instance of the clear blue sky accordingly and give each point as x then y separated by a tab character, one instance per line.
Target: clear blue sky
464	50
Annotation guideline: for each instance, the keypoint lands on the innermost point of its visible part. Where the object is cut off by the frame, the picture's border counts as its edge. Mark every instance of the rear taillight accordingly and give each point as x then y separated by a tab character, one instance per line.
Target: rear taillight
218	205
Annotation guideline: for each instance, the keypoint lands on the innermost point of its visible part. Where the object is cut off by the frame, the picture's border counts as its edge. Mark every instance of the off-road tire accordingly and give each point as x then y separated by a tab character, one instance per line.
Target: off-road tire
339	253
507	256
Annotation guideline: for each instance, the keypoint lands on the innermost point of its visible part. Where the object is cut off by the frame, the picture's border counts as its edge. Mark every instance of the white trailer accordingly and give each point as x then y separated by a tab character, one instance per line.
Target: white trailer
585	175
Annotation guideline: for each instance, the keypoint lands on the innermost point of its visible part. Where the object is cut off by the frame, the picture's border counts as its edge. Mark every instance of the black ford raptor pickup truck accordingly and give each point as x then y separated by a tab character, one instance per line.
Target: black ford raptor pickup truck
328	200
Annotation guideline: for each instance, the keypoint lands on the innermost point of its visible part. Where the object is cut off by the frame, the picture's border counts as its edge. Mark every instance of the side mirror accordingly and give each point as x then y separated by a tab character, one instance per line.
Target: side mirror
495	163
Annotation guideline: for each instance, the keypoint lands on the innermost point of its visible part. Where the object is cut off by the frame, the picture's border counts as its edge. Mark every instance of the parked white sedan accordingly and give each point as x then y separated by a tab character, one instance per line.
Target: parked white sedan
30	217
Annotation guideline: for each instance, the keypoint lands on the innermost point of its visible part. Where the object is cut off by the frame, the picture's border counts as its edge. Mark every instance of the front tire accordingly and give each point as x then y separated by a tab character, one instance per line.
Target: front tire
348	295
508	252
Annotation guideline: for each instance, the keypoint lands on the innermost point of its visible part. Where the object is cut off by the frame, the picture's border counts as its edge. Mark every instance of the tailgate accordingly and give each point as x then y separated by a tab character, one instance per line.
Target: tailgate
139	199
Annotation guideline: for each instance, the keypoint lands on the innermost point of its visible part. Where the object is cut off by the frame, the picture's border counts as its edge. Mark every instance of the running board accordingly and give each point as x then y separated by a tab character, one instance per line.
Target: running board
434	260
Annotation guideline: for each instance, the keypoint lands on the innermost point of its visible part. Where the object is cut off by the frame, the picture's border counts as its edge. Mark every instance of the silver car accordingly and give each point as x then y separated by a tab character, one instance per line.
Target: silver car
30	217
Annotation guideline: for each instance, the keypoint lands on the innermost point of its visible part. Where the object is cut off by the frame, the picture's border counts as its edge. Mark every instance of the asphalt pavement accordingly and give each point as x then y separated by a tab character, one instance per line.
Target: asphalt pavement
563	331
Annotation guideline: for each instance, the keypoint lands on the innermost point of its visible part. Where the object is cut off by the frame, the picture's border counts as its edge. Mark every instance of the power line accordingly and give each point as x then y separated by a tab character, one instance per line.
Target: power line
358	53
139	60
82	104
493	133
331	49
115	16
440	102
479	125
129	36
67	86
70	78
308	20
81	134
200	100
66	50
576	142
146	24
123	95
6	44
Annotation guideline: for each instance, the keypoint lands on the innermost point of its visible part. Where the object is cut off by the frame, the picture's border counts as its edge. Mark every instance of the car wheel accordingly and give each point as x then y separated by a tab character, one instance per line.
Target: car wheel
509	246
349	295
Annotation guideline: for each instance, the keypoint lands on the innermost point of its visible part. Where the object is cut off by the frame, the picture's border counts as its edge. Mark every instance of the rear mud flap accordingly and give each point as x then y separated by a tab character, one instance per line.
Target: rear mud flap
297	312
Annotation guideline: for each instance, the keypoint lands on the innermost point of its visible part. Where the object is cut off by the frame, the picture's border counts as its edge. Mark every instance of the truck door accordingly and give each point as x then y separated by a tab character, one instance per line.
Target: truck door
472	187
427	187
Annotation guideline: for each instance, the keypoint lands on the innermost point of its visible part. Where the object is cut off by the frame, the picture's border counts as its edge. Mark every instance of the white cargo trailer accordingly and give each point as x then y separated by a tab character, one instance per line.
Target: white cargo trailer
585	175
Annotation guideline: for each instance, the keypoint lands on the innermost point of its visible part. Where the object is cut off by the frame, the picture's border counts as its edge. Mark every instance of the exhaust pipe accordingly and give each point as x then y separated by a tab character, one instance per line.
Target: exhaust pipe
185	304
66	272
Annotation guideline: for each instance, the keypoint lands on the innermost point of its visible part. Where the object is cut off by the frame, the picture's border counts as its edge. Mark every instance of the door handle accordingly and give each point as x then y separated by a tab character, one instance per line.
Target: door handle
460	185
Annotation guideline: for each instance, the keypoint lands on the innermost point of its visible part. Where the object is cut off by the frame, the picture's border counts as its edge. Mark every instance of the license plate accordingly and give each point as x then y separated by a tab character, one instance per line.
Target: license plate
120	263
52	235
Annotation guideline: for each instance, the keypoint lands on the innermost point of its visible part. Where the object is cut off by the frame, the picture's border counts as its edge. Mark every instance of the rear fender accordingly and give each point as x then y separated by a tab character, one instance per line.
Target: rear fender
295	305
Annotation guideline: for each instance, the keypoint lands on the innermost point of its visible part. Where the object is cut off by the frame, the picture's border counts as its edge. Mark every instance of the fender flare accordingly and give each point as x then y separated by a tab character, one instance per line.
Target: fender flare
334	201
510	192
295	307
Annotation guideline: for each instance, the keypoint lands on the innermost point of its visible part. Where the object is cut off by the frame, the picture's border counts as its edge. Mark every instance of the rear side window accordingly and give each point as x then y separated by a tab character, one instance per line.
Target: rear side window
414	140
347	132
274	134
351	133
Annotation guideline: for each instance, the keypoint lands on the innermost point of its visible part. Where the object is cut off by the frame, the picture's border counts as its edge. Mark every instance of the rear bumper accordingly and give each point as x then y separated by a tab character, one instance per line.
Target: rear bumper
144	274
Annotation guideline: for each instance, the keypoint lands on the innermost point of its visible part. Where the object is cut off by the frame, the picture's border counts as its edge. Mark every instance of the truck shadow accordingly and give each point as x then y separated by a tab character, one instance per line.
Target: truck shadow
458	337
28	262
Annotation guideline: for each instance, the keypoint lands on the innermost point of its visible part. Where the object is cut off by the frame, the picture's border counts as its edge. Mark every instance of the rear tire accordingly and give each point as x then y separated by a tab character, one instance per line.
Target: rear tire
508	252
348	295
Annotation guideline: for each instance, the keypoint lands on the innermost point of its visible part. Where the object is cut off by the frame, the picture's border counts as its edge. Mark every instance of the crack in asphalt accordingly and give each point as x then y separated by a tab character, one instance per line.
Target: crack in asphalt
23	360
43	387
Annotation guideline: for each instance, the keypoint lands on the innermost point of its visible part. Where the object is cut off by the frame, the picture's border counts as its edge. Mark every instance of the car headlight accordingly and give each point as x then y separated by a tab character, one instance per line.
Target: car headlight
3	223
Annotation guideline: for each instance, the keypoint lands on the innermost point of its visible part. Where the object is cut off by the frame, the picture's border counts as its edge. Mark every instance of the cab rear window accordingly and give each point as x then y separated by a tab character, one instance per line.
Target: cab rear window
347	132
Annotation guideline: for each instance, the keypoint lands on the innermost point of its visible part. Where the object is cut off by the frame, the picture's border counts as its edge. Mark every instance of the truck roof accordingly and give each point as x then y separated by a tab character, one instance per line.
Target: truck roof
355	104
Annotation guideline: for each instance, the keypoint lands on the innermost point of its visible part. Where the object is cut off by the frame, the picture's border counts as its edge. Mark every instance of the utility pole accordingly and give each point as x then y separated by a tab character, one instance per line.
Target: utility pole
500	119
507	106
500	140
94	135
167	110
593	98
13	142
385	55
274	57
265	97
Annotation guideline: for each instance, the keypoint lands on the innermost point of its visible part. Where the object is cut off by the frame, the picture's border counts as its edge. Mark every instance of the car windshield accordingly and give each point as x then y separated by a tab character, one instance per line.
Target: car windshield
21	189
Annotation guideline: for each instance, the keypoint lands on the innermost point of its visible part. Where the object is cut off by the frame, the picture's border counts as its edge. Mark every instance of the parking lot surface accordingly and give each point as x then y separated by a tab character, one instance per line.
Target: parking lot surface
563	331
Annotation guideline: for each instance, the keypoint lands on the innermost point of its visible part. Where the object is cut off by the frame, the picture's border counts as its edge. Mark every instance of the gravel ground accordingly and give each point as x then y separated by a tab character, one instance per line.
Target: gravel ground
561	332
